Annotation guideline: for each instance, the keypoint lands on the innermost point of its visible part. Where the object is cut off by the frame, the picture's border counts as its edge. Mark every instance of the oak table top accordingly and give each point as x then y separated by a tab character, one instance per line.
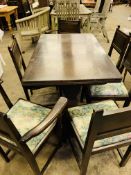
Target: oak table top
67	59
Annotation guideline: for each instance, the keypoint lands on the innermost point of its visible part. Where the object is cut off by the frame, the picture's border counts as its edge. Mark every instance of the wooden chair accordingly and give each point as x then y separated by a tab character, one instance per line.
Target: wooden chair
26	127
65	26
99	127
119	43
32	26
17	57
115	91
99	17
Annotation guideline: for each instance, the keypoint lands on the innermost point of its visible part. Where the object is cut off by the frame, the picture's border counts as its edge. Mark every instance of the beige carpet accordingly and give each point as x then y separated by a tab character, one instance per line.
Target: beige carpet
63	162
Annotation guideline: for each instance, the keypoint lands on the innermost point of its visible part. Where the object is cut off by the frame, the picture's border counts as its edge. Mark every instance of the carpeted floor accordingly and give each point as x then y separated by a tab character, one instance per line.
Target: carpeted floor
64	162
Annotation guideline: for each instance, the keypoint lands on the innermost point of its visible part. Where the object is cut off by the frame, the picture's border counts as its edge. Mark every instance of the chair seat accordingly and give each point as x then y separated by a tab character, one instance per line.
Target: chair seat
81	116
30	32
26	115
109	89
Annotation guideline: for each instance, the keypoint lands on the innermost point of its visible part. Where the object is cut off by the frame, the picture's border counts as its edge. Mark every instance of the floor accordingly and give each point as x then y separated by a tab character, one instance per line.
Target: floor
64	161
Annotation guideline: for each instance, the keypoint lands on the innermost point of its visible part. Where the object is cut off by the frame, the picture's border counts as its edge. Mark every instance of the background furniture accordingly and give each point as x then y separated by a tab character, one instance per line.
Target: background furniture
98	19
98	127
6	12
26	127
34	25
89	3
23	7
84	15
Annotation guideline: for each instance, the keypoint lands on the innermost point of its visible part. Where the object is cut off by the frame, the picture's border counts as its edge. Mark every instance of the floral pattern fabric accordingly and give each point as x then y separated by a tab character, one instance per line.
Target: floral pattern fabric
114	89
26	115
81	116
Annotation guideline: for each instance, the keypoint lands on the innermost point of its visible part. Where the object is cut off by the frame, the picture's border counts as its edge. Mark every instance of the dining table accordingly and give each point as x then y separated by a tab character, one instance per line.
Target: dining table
69	60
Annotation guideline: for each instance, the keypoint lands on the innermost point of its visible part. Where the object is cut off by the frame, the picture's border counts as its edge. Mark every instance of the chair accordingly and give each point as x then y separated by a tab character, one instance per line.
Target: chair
17	57
98	127
115	91
65	26
26	127
32	26
98	19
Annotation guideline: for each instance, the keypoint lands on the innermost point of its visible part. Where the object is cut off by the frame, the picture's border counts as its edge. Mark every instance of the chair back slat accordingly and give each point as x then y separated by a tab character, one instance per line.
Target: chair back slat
115	123
109	124
17	57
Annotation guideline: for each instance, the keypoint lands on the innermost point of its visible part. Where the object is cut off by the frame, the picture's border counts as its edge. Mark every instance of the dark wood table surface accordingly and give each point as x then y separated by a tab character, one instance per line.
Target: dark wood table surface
69	59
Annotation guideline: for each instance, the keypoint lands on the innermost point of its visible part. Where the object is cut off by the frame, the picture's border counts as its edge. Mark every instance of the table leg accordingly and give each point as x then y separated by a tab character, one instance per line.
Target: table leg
72	93
7	17
16	14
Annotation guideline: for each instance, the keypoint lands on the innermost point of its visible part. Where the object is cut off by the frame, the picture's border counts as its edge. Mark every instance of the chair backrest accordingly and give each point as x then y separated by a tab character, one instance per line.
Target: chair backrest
65	26
108	124
17	57
67	9
119	43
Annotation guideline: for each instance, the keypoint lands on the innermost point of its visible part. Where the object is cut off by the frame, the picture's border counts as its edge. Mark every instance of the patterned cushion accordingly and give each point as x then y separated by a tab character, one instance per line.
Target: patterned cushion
26	115
81	116
114	89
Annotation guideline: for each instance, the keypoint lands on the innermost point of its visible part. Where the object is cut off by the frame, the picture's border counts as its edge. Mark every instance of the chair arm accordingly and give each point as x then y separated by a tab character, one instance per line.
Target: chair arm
40	9
51	117
45	9
50	31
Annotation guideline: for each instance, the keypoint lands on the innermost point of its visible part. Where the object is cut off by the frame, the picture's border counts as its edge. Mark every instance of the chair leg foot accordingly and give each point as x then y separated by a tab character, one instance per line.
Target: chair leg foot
126	157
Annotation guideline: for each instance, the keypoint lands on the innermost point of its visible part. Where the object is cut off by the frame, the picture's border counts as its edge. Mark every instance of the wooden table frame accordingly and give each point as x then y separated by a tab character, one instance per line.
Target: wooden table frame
6	12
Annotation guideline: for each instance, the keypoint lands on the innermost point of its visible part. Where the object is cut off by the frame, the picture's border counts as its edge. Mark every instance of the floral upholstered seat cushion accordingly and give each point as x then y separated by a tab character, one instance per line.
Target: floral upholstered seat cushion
26	115
81	116
109	89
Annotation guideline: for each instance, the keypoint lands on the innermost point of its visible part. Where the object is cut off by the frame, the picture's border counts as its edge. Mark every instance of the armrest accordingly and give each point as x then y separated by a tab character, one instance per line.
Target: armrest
51	117
50	31
40	9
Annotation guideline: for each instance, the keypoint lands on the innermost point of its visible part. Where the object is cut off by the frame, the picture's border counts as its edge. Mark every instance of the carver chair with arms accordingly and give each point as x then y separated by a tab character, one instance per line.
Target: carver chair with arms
32	26
99	127
115	91
26	127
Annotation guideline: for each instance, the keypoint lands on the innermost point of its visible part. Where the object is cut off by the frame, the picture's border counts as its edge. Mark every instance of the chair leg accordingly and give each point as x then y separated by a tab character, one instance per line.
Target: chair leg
32	162
27	94
105	33
126	157
4	155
